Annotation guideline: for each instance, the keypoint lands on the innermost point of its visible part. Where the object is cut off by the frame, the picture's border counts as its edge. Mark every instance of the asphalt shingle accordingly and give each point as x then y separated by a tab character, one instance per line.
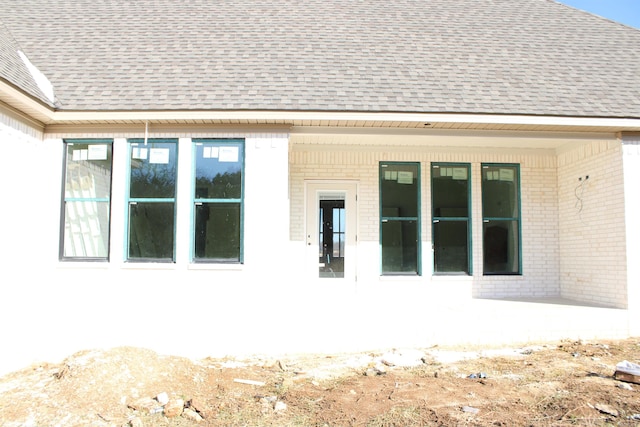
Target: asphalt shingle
533	57
14	70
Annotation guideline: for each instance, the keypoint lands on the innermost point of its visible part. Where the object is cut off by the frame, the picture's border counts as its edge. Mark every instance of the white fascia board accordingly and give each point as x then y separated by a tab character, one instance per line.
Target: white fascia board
47	115
291	116
27	105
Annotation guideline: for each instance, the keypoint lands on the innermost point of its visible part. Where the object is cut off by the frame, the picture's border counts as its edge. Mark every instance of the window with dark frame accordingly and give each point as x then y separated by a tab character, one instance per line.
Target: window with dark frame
152	200
501	219
451	214
400	218
218	200
86	207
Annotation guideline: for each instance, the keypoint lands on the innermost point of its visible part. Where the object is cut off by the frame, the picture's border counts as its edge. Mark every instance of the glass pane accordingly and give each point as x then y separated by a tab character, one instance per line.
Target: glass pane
501	247
500	192
332	238
88	171
338	220
399	190
86	229
338	244
451	247
151	230
153	170
338	231
217	232
218	171
450	191
399	247
321	234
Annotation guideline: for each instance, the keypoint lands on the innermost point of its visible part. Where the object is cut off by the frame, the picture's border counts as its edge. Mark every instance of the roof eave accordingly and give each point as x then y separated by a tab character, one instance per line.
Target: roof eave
331	118
29	106
45	115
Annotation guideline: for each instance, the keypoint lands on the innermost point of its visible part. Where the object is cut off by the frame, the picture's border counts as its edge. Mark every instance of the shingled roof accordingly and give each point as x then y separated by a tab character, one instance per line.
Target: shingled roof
14	70
533	57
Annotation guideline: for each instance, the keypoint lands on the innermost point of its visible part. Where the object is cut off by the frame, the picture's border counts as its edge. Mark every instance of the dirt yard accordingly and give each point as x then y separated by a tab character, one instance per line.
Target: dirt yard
553	384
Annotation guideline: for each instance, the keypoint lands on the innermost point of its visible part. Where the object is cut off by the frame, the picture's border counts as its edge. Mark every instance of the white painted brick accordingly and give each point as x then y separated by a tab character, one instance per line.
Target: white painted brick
540	226
591	228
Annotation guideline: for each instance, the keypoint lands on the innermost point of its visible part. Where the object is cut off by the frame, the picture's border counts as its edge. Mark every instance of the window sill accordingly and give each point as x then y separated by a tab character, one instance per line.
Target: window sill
134	265
505	276
74	265
216	266
401	278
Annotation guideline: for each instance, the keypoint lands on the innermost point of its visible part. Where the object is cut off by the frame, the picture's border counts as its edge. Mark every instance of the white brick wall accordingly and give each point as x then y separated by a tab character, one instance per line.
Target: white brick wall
265	193
631	161
540	244
592	227
29	172
270	289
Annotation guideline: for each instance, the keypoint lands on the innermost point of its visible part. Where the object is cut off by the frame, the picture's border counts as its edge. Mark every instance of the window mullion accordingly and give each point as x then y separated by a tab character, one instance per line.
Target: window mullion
86	200
151	205
217	201
501	216
400	218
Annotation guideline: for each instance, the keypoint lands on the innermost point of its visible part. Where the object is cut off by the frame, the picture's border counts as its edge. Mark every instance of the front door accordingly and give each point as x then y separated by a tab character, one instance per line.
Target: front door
331	229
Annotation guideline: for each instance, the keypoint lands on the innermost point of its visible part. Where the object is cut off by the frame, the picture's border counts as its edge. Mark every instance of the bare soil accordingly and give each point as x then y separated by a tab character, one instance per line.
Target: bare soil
551	384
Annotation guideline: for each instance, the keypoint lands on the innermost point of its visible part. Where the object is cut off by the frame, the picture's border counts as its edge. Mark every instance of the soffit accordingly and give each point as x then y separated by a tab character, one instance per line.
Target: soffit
303	120
362	133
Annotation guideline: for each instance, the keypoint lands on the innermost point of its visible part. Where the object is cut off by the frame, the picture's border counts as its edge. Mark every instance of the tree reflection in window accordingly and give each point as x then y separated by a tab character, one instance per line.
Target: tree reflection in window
152	195
218	201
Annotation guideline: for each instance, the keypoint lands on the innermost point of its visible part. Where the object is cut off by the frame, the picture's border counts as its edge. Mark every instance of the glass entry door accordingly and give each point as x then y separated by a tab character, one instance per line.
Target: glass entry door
331	237
331	230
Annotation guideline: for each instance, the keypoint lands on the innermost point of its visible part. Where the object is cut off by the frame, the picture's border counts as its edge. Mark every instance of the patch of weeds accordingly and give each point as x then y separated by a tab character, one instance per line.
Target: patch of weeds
423	371
342	382
399	416
279	387
240	416
557	402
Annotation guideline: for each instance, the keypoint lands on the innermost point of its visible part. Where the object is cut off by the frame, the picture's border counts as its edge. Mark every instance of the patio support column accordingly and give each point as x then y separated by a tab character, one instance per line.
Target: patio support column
631	167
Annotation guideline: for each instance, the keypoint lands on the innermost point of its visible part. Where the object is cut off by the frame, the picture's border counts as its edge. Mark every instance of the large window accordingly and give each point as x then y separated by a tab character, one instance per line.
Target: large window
152	200
400	218
501	219
450	201
218	184
86	206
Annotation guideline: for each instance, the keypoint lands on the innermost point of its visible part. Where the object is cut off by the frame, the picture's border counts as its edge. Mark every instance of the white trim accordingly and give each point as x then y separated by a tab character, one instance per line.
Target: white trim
312	190
12	112
148	265
215	266
131	130
17	99
41	112
630	163
439	133
285	116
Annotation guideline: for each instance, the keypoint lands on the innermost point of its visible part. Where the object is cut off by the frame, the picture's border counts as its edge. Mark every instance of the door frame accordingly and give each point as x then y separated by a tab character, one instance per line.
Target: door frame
312	191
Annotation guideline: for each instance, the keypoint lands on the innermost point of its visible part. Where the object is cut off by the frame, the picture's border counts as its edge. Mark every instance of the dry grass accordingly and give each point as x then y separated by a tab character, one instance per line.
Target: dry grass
559	385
